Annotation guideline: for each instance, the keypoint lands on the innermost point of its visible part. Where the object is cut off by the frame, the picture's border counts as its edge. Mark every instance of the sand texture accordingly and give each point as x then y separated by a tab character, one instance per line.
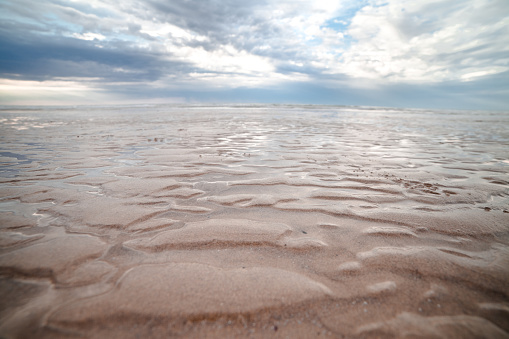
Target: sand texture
253	221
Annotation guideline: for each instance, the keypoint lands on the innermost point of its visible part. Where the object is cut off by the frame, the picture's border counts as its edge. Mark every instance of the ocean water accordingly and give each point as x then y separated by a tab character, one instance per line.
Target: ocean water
253	220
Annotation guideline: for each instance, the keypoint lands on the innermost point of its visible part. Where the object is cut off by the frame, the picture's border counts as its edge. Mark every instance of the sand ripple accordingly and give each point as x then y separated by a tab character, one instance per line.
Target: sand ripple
253	221
193	291
216	232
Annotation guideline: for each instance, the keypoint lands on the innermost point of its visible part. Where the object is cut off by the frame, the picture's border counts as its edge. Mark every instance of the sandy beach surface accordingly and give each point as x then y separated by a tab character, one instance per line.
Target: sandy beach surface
253	221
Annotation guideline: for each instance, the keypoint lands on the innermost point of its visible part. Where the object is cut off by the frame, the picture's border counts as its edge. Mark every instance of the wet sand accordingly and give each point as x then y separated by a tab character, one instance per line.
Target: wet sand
253	221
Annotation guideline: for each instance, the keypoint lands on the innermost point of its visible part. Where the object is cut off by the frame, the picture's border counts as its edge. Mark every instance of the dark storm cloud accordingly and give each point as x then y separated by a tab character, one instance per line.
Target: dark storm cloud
59	57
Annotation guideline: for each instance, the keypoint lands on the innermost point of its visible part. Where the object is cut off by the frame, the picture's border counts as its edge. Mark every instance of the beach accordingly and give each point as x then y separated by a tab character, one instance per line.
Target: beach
253	221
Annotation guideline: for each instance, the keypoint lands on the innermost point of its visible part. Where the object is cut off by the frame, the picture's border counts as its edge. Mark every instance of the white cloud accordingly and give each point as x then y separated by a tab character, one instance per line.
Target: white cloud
485	72
164	30
89	36
428	41
225	59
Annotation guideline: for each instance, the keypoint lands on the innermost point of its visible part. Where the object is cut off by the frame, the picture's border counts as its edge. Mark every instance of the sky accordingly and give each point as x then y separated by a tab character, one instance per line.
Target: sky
451	54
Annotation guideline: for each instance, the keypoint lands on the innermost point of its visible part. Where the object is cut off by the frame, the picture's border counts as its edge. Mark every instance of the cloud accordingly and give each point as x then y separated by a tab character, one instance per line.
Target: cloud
429	41
46	58
227	36
170	47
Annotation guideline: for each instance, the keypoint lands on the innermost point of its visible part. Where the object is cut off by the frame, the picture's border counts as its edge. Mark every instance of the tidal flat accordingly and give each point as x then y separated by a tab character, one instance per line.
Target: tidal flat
213	221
